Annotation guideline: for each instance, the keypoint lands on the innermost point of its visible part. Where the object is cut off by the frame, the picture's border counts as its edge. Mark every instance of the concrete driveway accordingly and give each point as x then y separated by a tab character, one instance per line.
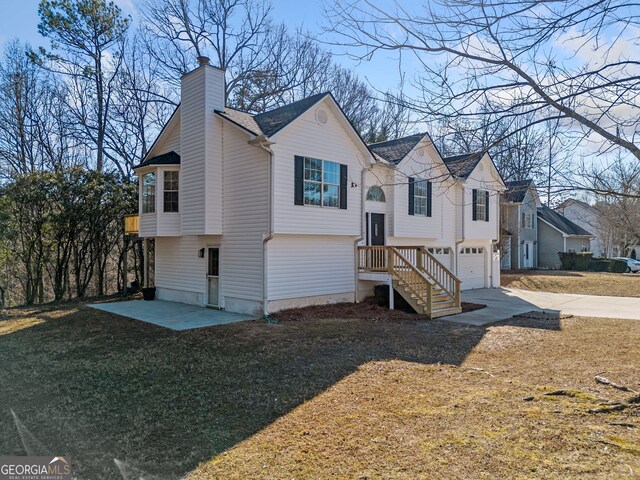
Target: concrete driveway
503	303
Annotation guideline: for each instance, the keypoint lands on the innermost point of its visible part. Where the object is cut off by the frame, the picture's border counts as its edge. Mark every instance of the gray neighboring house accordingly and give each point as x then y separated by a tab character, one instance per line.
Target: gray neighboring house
519	225
557	233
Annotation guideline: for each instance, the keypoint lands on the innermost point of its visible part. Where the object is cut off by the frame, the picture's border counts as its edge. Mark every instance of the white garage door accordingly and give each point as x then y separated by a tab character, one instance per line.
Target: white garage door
472	268
443	255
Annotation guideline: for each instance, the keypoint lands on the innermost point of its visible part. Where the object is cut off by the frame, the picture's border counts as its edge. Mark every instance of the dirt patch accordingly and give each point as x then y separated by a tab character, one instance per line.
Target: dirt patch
560	281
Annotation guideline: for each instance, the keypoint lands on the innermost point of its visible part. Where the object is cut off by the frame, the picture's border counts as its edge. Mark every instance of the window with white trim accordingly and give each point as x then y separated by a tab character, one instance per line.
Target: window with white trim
420	197
376	194
481	205
321	183
439	250
171	191
149	193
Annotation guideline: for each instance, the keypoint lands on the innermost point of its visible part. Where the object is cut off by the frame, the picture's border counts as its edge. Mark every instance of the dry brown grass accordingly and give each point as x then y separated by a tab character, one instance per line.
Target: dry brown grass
316	398
560	281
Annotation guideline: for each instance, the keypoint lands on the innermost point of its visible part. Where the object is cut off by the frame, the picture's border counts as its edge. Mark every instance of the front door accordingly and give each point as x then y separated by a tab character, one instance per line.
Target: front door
213	277
376	225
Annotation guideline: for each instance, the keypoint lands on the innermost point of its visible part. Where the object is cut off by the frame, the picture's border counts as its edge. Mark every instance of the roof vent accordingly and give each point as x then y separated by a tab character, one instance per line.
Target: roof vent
321	116
203	61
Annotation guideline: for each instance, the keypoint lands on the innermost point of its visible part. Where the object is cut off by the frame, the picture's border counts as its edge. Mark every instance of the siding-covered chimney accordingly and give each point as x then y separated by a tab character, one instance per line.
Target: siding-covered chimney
202	93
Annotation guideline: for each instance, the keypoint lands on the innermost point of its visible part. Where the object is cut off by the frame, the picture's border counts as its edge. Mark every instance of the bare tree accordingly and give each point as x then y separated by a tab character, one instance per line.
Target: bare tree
568	60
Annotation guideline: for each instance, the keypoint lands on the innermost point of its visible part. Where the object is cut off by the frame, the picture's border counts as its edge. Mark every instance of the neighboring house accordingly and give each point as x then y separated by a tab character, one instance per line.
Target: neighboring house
520	203
587	216
556	234
256	213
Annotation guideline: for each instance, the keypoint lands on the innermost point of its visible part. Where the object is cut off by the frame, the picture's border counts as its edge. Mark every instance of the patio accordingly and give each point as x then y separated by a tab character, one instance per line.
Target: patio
172	315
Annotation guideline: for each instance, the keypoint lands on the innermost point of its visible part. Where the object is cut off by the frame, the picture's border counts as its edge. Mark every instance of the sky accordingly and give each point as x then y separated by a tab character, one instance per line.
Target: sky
19	19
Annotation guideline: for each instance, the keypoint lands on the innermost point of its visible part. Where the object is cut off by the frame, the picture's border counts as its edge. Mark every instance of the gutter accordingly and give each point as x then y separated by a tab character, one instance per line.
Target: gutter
263	142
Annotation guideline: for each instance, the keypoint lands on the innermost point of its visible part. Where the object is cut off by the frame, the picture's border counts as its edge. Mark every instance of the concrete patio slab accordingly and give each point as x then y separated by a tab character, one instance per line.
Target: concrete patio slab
172	315
503	303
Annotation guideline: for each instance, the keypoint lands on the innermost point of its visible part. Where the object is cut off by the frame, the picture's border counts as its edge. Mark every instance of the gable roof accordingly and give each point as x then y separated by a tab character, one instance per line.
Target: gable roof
275	120
461	166
561	223
169	158
517	190
576	201
393	151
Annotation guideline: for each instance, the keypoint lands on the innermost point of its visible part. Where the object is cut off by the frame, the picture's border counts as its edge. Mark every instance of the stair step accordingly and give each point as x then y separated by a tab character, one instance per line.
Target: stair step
445	311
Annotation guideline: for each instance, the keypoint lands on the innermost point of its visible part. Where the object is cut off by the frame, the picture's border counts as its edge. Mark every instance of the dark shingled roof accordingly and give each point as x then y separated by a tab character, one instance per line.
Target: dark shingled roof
171	158
561	222
273	121
516	190
461	166
393	151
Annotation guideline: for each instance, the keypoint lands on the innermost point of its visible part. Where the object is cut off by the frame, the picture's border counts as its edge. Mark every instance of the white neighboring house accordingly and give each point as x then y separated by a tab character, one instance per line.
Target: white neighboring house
256	213
587	216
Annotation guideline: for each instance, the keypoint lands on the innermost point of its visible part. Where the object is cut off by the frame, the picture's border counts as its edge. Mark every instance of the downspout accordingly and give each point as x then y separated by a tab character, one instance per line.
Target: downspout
263	143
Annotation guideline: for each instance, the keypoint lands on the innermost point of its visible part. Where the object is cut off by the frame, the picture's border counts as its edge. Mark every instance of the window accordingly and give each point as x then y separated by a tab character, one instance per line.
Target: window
527	220
375	194
472	251
481	205
420	198
321	183
439	251
171	181
149	193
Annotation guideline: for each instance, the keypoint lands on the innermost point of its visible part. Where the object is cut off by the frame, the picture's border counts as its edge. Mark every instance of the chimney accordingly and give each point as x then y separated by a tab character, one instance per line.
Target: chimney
202	93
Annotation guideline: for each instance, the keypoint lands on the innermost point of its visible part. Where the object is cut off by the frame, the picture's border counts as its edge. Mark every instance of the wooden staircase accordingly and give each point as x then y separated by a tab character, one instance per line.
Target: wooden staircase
427	285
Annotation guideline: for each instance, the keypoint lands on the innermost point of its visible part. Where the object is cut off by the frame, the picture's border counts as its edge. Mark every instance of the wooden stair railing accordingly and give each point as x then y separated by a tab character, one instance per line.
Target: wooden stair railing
441	275
417	275
414	286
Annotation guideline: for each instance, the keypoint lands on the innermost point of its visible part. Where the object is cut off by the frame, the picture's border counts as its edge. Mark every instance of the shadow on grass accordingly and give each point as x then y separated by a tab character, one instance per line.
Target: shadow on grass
95	387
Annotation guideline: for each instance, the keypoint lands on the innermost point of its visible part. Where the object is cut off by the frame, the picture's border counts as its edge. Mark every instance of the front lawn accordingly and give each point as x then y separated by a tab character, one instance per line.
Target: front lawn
562	281
365	397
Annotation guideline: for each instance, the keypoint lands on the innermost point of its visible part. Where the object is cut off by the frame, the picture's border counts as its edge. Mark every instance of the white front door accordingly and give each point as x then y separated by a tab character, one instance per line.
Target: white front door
528	255
213	277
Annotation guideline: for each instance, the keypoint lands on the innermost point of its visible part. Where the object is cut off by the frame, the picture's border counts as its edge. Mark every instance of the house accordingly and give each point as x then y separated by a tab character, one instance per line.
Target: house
288	208
556	234
581	213
519	206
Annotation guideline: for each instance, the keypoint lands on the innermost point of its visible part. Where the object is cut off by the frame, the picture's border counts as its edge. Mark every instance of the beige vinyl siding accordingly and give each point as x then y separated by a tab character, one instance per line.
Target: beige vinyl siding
169	139
246	215
178	266
201	210
482	178
306	137
192	161
309	265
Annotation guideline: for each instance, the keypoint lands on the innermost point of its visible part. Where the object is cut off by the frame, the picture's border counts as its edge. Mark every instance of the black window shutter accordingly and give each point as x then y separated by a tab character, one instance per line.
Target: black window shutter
429	191
475	204
412	195
343	187
486	206
299	181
